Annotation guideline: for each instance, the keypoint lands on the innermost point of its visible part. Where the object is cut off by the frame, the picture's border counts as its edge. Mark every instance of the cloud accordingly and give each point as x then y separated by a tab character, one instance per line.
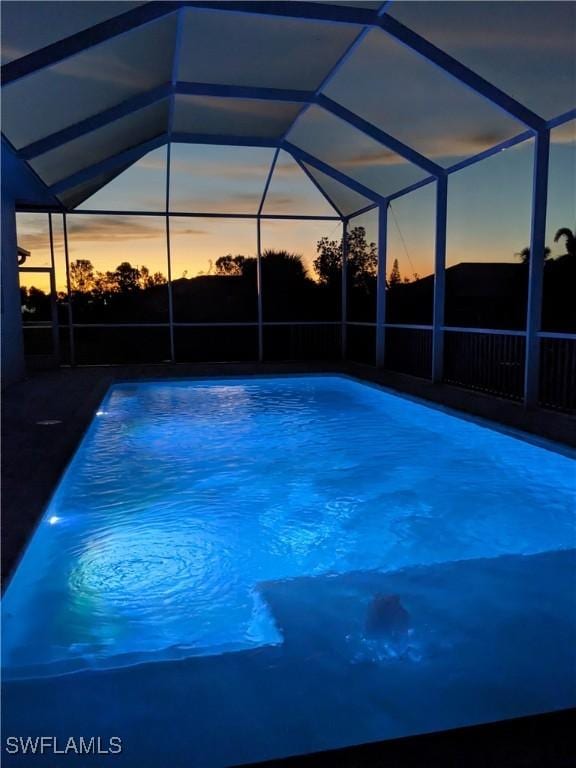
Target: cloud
447	145
257	109
293	205
287	167
213	168
176	231
154	161
367	158
282	201
113	229
230	202
564	134
33	241
434	147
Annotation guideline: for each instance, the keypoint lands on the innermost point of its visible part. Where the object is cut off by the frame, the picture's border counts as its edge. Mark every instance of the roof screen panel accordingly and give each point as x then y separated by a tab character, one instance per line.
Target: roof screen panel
74	196
218	179
477	229
526	49
141	187
244	49
93	147
418	103
345	199
29	26
348	150
88	83
292	192
240	117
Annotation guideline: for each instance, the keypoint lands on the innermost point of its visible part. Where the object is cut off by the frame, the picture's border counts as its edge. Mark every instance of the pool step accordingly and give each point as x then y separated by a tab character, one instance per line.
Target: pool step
466	607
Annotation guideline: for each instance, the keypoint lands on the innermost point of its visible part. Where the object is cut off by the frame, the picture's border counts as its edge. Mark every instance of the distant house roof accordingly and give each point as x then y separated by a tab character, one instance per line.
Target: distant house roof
483	279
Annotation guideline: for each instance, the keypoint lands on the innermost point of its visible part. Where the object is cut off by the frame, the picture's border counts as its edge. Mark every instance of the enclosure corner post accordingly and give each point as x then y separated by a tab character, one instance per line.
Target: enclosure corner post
259	290
439	279
13	364
536	268
381	285
344	295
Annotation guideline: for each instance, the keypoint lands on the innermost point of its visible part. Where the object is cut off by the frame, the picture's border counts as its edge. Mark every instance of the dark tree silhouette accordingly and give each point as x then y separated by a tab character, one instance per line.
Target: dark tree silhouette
148	280
126	278
284	265
82	276
362	259
524	254
395	278
570	240
329	261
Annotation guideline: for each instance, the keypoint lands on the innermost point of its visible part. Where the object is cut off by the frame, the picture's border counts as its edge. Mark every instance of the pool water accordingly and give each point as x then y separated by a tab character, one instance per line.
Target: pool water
288	543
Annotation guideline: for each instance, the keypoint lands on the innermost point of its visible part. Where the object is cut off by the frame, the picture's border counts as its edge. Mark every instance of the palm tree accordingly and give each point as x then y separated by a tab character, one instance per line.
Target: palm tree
524	254
283	265
570	238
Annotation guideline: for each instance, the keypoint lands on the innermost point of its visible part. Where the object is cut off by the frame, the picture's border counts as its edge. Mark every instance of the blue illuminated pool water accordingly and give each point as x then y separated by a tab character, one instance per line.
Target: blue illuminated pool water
254	522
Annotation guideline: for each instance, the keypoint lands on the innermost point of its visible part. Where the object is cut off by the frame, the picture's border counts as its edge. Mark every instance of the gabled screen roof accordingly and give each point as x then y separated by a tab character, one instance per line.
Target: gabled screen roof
371	98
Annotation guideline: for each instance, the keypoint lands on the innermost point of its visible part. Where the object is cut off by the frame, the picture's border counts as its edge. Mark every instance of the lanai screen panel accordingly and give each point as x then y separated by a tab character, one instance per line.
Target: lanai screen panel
213	116
559	308
251	50
214	282
291	192
345	199
218	179
355	154
75	195
289	253
88	83
411	248
526	49
85	151
29	26
400	92
363	237
123	252
488	234
141	187
34	236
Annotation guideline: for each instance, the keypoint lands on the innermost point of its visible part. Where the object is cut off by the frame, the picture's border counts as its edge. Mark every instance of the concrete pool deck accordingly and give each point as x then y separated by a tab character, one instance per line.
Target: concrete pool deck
45	416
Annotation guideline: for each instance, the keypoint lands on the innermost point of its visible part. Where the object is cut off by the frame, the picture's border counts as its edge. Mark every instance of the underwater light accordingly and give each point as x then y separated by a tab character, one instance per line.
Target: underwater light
54	519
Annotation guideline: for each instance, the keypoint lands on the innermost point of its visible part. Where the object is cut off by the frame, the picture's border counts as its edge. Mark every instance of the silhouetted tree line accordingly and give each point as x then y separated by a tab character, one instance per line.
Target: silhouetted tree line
477	294
290	292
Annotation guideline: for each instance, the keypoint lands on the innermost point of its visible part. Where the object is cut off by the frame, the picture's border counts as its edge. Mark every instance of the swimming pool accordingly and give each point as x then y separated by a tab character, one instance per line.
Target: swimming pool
333	562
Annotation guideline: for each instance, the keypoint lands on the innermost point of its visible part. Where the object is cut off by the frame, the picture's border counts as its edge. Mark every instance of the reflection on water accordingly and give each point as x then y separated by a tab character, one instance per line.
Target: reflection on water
184	497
